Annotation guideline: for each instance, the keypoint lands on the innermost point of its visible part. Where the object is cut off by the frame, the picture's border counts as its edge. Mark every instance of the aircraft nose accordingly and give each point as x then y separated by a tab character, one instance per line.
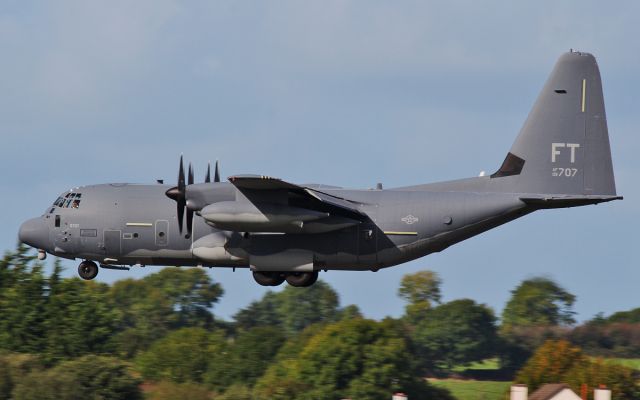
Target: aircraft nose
34	232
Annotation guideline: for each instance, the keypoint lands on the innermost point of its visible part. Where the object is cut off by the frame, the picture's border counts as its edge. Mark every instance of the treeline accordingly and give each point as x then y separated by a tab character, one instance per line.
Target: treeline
77	339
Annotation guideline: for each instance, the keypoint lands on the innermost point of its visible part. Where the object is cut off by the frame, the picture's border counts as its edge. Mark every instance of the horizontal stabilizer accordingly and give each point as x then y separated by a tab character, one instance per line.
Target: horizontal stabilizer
566	201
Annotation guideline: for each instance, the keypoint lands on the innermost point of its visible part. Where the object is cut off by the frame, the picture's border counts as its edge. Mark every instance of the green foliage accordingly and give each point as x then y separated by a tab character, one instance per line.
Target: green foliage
353	358
190	292
78	320
22	302
12	368
160	302
621	380
559	361
615	336
455	333
628	317
292	309
89	377
538	302
172	391
420	290
144	315
245	359
549	364
66	318
181	356
237	392
349	312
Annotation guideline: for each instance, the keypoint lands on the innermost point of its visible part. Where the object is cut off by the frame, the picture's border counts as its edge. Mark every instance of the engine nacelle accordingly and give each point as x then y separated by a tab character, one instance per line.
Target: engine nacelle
265	217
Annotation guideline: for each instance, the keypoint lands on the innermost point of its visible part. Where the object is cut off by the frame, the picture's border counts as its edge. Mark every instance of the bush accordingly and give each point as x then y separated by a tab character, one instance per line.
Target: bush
89	377
185	391
236	392
557	361
181	356
12	368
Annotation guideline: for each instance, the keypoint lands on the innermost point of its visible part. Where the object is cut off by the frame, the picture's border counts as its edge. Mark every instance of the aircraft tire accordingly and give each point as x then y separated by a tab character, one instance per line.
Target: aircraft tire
302	279
268	278
87	270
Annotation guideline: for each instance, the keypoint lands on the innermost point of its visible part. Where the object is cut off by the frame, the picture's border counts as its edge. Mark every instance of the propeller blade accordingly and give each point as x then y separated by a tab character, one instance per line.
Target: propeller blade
181	177
180	210
207	179
189	221
216	174
178	194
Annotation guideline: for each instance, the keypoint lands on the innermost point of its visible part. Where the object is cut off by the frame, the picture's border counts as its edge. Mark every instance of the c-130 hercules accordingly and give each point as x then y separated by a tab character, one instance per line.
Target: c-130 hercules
283	231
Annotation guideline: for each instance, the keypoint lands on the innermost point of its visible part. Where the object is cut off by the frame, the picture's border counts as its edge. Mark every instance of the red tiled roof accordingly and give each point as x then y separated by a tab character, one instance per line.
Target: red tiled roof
547	391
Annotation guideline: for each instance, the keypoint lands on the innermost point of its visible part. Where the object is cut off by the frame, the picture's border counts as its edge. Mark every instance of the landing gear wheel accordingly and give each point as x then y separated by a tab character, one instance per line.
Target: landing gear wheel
302	279
268	278
87	270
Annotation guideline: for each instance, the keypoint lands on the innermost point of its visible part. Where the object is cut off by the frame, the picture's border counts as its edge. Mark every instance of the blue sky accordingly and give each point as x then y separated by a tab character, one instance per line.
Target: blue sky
348	93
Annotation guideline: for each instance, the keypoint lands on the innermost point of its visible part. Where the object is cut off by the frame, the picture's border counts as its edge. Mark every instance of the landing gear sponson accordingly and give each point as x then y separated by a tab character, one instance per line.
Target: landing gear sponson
89	270
297	279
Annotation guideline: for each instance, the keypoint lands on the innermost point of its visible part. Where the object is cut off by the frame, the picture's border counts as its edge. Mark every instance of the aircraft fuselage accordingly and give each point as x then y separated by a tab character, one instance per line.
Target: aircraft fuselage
127	224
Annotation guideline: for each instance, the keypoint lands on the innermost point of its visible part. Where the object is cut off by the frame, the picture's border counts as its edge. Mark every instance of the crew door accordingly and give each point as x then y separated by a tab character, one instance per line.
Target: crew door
112	244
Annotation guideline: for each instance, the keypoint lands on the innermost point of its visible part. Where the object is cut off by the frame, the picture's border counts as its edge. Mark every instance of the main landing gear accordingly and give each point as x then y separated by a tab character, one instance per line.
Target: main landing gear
87	270
297	279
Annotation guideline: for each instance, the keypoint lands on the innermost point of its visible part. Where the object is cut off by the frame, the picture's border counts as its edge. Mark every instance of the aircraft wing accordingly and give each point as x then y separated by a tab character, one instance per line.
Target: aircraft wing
255	187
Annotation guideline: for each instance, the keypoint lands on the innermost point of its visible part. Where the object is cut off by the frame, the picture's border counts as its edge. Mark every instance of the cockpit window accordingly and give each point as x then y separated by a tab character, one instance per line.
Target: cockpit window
70	200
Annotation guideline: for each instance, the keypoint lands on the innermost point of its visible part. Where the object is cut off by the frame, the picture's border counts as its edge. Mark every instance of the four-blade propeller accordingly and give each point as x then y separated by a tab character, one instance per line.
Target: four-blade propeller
179	193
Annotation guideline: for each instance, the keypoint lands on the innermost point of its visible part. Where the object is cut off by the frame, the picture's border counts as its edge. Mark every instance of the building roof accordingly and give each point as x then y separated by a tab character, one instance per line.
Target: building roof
547	391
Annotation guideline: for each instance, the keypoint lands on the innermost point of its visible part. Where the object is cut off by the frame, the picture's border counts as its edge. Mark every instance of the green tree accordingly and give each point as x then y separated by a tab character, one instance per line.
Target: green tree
88	377
181	356
23	300
629	317
145	314
458	332
292	309
79	320
150	307
245	359
538	302
172	391
237	392
420	290
13	367
190	292
262	312
360	358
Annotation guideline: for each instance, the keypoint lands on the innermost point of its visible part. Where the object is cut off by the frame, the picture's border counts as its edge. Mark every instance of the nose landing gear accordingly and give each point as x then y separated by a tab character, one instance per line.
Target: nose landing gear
87	270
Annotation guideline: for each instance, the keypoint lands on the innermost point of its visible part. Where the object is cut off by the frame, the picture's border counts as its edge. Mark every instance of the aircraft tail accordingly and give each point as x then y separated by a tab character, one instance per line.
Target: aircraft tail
563	147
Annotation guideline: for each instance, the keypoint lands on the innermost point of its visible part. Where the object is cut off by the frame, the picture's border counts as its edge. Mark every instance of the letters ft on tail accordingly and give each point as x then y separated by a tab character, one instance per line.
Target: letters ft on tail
283	231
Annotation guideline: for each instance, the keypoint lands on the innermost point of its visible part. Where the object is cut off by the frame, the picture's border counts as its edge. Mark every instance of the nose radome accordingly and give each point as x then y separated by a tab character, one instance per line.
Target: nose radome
34	232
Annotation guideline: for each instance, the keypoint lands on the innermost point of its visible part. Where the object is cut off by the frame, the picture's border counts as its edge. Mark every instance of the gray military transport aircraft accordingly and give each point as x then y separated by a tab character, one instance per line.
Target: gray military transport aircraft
283	231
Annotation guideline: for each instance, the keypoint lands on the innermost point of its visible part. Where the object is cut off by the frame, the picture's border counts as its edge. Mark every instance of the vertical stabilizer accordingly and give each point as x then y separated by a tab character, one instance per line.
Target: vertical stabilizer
563	147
